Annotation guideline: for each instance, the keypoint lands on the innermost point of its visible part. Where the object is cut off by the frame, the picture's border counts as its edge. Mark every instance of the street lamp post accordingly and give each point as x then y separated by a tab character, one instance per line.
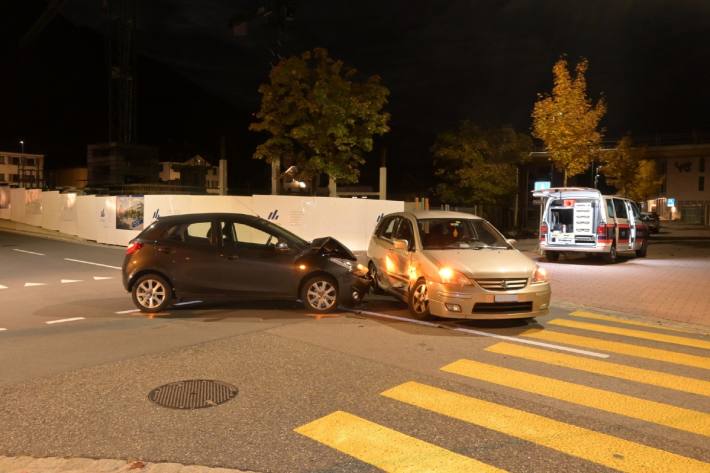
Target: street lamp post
22	146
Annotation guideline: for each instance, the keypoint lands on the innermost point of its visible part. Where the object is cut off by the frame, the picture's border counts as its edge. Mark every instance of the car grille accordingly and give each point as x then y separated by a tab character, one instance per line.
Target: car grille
501	284
502	307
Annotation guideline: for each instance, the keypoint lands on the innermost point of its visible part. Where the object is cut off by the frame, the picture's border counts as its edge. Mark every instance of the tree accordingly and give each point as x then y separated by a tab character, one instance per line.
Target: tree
477	166
621	165
566	121
647	182
320	116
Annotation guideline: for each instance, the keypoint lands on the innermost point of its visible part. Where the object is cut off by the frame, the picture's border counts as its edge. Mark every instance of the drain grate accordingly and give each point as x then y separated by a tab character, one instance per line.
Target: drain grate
193	394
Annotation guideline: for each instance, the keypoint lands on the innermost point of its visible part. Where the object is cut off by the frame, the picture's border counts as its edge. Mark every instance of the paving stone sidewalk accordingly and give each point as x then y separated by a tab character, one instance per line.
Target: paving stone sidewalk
87	465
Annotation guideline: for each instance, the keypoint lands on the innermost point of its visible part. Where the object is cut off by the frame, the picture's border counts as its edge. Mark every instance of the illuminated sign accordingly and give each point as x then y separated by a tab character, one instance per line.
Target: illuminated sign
540	185
670	202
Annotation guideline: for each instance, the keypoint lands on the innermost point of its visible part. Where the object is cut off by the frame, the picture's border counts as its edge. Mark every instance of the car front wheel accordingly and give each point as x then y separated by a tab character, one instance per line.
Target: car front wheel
419	300
151	293
320	294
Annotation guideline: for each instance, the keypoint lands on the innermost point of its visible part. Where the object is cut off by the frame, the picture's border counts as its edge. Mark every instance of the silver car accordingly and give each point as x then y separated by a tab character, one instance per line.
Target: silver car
452	264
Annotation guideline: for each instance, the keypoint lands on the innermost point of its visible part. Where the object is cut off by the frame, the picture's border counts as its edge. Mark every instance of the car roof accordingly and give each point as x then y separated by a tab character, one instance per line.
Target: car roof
207	216
425	214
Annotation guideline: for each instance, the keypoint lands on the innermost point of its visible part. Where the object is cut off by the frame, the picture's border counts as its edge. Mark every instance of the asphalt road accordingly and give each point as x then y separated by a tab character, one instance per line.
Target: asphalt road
353	392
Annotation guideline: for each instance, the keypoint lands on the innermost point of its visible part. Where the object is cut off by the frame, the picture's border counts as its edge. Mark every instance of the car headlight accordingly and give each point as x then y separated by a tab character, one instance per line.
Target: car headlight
450	276
539	275
347	264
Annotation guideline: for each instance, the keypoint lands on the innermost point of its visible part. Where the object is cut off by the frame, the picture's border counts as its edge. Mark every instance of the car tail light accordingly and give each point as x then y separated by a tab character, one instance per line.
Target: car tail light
543	231
133	247
603	232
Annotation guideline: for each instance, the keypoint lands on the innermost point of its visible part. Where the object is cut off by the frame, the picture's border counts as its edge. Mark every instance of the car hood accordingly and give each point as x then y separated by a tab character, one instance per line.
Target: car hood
484	263
331	247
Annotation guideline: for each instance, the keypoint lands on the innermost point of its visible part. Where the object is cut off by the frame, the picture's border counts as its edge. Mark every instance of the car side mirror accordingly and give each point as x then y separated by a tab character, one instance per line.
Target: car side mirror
400	244
512	241
282	247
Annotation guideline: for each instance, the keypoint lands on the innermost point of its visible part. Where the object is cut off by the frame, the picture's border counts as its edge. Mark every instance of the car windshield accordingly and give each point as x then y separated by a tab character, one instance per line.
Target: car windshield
459	234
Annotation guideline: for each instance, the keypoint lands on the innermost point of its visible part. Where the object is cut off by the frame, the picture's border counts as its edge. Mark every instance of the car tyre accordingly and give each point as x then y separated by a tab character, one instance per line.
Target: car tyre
320	294
419	300
372	271
151	293
552	256
612	256
641	252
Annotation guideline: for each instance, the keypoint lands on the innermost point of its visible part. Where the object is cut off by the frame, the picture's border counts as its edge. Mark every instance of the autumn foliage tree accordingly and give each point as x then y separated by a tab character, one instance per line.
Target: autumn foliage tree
626	169
567	120
320	115
476	165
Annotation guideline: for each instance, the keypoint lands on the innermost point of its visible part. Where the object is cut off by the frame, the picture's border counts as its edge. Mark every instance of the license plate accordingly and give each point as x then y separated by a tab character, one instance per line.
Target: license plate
506	298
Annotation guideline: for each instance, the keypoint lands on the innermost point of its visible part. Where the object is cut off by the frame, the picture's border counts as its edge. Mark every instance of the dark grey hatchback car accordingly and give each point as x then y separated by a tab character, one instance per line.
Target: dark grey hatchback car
238	256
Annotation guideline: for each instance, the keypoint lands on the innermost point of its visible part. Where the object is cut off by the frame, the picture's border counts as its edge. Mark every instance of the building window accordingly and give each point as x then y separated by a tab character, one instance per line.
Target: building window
2	159
701	183
2	177
15	161
701	166
14	177
29	162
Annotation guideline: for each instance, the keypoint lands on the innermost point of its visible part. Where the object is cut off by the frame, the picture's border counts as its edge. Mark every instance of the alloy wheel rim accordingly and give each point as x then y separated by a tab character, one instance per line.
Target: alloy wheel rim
151	293
421	298
321	295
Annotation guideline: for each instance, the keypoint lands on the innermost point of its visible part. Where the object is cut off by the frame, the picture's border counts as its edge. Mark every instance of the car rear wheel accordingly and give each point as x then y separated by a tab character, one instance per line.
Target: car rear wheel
641	252
611	257
320	294
151	293
419	300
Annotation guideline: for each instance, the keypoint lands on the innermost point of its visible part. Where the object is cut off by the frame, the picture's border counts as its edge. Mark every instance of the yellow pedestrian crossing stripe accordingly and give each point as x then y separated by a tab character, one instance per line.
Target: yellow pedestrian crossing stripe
659	413
619	347
386	448
657	337
606	368
610	318
603	449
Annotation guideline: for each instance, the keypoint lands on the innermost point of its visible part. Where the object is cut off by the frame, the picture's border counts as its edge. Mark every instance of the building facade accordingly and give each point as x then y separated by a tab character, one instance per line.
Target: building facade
190	173
22	169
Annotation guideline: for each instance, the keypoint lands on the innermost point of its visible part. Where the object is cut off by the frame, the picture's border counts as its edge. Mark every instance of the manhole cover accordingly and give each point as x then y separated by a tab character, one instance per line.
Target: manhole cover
193	394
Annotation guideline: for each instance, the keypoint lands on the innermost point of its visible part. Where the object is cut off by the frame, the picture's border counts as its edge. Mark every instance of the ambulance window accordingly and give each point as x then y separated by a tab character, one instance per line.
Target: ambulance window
620	207
609	208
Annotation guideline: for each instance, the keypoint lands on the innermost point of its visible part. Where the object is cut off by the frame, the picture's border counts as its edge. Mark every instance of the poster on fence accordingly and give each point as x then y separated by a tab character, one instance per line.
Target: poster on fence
4	197
129	212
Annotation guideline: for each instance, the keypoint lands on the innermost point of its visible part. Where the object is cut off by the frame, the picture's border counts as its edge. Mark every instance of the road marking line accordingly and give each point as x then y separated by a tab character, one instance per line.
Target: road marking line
605	368
33	284
386	448
2	329
59	321
28	252
619	347
69	281
610	318
92	263
603	449
484	334
101	278
668	415
3	287
129	311
188	303
658	337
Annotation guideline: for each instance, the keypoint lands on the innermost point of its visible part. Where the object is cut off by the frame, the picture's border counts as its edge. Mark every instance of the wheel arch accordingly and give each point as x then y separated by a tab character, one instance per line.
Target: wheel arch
135	277
312	274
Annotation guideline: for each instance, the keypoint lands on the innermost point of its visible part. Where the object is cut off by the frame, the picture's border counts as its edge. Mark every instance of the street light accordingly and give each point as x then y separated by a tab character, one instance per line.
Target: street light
22	146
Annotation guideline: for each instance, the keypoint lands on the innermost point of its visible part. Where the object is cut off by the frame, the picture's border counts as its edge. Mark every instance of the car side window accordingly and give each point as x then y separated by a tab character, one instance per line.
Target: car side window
610	208
620	208
635	210
388	227
247	235
404	232
198	233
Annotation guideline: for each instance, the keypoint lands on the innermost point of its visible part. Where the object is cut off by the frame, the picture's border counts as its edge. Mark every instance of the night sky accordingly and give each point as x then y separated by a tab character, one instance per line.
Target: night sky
443	61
